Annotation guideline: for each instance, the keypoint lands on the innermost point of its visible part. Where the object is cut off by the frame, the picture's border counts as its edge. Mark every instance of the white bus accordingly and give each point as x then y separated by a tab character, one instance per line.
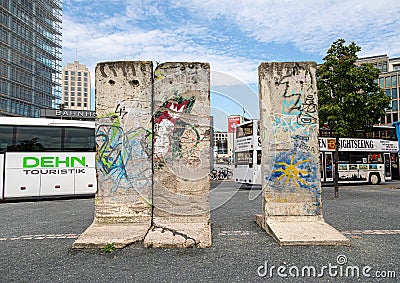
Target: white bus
360	160
46	157
247	159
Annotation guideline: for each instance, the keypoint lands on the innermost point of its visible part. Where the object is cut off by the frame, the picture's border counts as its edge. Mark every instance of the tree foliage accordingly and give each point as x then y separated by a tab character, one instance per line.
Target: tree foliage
349	95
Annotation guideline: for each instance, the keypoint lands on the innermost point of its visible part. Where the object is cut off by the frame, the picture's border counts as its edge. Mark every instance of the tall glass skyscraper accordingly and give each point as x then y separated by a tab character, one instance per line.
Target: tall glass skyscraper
30	56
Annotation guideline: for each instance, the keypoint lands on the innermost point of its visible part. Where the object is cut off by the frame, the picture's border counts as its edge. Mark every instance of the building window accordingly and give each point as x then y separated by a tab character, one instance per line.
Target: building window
395	117
394	105
72	73
79	73
84	104
394	80
384	68
382	82
394	93
388	92
66	72
388	119
387	81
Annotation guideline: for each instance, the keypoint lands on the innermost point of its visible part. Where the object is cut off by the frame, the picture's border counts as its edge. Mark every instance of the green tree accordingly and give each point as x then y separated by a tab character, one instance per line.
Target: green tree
349	95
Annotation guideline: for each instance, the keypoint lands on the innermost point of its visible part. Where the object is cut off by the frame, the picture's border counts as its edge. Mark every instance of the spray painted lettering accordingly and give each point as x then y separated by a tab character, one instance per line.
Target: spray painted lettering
119	152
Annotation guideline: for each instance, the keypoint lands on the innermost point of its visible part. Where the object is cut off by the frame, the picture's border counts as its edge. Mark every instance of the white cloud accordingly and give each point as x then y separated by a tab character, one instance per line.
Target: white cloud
156	45
186	30
310	25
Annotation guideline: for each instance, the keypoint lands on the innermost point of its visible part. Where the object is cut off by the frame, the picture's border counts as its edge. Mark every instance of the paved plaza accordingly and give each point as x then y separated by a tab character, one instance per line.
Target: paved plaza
36	243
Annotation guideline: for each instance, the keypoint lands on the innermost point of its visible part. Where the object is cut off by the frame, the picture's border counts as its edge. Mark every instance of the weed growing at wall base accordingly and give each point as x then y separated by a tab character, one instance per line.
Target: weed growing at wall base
108	248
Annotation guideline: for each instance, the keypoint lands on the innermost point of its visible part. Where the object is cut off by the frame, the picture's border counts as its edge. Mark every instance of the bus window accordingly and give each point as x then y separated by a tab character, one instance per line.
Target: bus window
259	157
328	165
344	157
6	137
358	157
79	139
244	158
38	138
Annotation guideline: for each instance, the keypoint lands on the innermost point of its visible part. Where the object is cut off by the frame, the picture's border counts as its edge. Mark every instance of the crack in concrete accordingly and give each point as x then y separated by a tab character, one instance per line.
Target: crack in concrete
174	233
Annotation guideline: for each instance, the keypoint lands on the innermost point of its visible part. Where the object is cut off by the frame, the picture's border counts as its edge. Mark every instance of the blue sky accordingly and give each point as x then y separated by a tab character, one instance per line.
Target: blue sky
234	36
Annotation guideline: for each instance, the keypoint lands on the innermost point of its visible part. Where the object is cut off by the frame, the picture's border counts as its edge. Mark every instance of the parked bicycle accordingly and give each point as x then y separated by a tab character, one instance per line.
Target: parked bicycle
221	174
213	175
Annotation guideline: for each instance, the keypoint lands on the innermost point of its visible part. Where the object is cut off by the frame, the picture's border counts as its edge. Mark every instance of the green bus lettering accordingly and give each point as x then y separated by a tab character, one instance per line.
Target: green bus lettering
30	162
52	162
81	161
47	161
58	162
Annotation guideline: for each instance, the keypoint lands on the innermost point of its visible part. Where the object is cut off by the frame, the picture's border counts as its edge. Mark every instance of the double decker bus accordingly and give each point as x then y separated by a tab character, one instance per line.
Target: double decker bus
360	160
247	145
46	157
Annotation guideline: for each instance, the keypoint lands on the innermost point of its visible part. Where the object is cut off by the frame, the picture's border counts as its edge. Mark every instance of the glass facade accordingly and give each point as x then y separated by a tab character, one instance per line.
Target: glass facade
389	81
393	88
30	56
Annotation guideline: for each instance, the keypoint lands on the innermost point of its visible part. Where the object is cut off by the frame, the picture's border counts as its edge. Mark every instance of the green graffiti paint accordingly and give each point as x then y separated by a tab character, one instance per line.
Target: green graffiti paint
53	161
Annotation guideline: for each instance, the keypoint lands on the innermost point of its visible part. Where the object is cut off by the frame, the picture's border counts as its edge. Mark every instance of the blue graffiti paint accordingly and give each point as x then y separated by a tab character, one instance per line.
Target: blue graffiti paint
288	123
116	149
295	170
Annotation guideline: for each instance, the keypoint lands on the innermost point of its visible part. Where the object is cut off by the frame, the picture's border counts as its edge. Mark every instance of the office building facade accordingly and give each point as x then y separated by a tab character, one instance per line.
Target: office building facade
389	80
76	87
30	56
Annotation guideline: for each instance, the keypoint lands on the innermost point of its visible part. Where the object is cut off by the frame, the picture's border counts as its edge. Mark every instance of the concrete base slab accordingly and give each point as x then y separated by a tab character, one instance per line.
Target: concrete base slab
179	235
301	231
122	234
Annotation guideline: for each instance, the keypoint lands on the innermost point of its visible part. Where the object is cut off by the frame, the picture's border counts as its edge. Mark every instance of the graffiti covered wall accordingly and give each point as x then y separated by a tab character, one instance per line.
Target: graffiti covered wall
289	130
182	148
152	156
123	140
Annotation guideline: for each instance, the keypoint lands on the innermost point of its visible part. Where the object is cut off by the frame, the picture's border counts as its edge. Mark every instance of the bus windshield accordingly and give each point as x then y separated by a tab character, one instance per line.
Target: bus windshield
244	130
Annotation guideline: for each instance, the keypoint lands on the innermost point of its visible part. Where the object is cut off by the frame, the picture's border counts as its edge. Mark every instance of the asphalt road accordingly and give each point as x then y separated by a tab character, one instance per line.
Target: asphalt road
36	240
